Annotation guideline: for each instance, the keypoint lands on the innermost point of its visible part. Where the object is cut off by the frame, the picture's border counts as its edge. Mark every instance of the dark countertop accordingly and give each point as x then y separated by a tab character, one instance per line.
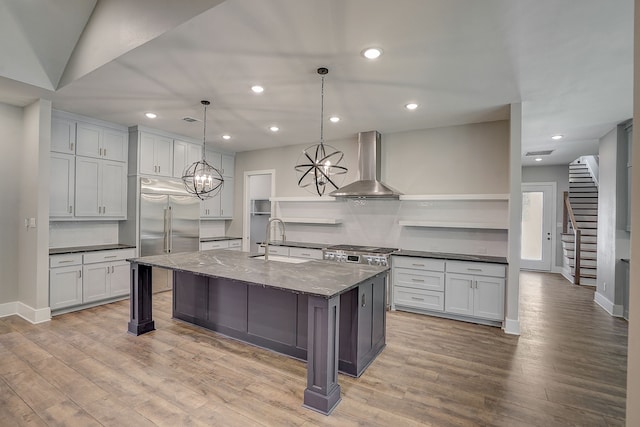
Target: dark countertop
453	257
92	248
320	278
219	238
305	245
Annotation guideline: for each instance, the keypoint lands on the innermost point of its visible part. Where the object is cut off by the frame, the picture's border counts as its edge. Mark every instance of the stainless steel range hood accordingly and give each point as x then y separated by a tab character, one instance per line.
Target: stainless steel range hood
369	186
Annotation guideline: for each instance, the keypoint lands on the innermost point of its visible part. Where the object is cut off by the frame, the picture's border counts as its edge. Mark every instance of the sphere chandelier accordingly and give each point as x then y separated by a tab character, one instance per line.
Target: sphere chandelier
200	178
318	167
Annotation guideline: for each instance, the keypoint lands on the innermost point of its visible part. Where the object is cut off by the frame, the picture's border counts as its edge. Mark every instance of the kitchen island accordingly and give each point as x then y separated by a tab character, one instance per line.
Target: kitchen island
330	314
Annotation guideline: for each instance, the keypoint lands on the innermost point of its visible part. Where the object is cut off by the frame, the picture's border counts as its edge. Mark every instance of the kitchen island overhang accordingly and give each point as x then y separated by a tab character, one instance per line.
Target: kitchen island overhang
333	315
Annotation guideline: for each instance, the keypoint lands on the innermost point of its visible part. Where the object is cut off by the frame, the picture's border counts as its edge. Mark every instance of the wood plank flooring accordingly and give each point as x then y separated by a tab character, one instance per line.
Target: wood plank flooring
82	369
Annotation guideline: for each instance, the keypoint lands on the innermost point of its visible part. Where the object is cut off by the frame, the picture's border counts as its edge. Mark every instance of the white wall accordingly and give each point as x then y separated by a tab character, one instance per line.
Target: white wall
10	144
470	158
33	184
82	233
613	238
633	355
457	159
560	175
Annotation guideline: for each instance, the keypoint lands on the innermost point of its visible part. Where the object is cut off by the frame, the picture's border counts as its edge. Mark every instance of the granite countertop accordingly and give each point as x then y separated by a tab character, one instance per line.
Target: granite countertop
92	248
218	238
320	278
305	245
454	257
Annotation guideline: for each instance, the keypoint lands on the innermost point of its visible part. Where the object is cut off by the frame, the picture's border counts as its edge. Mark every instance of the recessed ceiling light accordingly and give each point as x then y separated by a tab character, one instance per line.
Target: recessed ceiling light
556	137
151	115
334	119
411	106
257	89
372	52
538	159
225	136
274	128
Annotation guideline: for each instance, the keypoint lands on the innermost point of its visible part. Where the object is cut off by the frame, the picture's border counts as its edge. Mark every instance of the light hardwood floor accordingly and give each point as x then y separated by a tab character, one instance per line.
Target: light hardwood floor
82	369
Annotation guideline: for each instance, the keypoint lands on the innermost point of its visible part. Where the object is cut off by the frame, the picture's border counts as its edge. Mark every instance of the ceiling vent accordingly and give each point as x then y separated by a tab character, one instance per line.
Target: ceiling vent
190	119
539	153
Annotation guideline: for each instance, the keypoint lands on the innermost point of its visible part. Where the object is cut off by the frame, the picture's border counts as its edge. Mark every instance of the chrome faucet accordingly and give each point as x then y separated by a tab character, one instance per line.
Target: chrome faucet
267	236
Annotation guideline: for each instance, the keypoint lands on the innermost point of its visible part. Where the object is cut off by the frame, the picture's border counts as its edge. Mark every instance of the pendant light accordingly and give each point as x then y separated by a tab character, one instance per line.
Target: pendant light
200	178
318	166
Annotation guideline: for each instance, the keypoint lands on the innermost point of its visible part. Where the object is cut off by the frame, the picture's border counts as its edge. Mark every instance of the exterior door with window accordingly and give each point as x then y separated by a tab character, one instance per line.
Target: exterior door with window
538	208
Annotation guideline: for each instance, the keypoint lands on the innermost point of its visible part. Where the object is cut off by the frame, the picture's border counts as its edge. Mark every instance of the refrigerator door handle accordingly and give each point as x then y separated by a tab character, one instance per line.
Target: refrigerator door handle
170	221
166	230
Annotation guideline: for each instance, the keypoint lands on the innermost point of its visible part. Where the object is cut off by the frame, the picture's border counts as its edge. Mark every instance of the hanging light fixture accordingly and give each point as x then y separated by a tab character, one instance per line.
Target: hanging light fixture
318	166
200	178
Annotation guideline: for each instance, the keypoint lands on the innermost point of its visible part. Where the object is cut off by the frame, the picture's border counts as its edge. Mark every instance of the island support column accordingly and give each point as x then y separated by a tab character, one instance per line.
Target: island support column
140	299
323	391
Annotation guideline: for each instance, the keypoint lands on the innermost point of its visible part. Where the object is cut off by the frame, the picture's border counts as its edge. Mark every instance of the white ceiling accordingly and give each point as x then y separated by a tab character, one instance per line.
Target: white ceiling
569	62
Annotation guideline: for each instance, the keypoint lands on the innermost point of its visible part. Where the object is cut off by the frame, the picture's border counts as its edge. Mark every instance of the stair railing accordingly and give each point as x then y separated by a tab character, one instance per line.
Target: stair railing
567	215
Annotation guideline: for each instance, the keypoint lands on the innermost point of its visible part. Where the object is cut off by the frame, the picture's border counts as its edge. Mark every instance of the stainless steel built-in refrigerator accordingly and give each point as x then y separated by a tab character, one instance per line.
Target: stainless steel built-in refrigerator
169	223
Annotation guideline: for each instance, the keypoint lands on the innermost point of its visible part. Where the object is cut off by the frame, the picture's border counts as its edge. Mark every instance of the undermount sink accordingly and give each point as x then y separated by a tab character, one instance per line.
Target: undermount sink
282	259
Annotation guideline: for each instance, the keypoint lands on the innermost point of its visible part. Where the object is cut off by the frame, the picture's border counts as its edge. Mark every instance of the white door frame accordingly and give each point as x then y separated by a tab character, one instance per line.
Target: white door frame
553	187
246	205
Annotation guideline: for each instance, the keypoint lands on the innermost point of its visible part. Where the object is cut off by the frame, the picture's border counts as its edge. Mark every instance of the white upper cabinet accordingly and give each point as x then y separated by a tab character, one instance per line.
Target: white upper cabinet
184	154
228	165
63	135
214	159
156	155
100	142
61	185
226	198
101	188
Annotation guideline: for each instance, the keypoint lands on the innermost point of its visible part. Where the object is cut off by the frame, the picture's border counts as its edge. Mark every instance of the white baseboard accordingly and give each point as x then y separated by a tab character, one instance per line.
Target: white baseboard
512	327
8	309
615	310
29	314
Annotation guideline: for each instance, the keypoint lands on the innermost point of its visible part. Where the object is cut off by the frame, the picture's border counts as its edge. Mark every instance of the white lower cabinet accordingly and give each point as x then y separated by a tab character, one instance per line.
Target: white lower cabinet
233	244
65	281
472	290
88	277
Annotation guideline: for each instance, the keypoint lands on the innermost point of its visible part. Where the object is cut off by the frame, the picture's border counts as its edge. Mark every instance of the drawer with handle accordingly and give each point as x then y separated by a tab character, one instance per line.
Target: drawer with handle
418	263
418	298
476	268
428	280
305	253
236	243
106	256
64	260
215	244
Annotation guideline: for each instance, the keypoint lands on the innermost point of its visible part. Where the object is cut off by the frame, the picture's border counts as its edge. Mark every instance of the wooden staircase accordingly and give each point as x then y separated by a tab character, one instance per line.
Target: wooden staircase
583	201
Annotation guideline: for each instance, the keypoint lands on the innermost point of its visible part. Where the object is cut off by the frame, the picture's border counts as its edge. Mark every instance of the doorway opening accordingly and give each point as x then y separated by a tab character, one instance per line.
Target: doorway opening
259	187
538	218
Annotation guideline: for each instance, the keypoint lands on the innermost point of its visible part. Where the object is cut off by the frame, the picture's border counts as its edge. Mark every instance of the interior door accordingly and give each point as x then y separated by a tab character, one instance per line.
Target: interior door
538	217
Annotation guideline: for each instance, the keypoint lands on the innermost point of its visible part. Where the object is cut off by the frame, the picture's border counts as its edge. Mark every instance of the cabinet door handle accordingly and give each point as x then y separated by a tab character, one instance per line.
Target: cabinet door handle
107	270
70	209
71	146
104	152
417	280
65	261
474	269
417	299
364	300
80	274
158	168
110	256
304	254
418	265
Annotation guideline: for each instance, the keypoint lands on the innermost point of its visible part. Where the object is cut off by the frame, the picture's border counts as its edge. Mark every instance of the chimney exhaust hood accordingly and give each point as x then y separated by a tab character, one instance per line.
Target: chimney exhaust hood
369	159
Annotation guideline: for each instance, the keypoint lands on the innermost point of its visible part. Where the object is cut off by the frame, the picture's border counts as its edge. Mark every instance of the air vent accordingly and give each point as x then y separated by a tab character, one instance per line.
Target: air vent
190	119
539	153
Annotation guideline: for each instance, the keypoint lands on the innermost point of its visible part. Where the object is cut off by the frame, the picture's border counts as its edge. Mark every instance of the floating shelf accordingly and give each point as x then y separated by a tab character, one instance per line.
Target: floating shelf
303	199
313	220
419	197
445	224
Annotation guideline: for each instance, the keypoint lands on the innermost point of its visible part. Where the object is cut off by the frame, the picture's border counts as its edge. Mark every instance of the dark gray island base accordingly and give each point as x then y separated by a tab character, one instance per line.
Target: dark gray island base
332	315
